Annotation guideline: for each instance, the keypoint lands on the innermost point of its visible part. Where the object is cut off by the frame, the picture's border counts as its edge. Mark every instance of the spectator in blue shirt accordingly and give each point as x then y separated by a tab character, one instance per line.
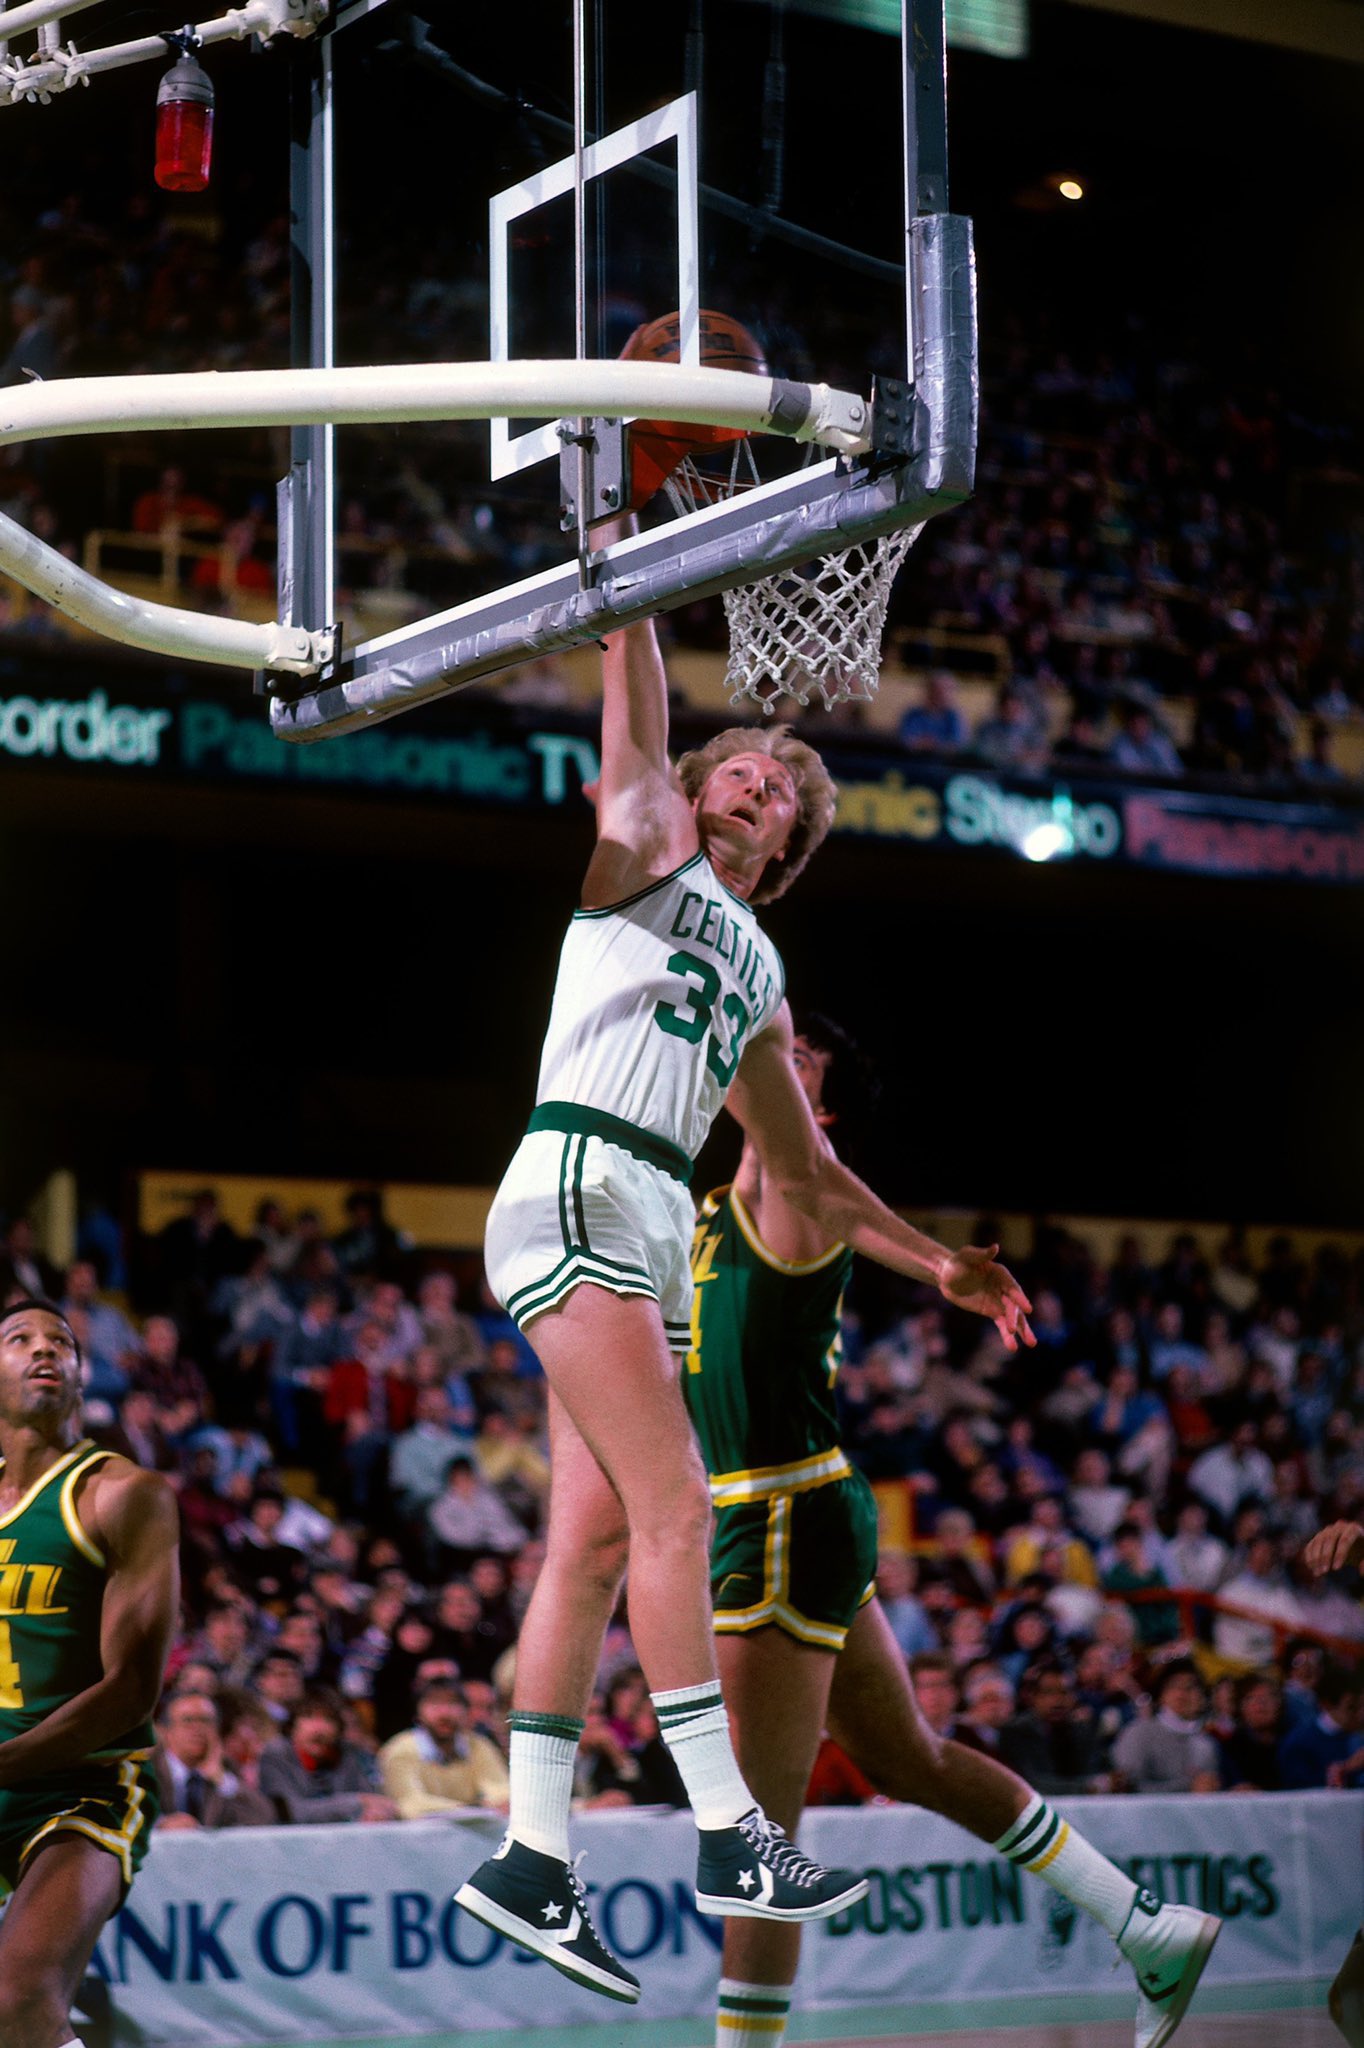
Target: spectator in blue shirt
1327	1750
1143	747
896	1577
109	1336
1123	1411
1170	1347
936	726
303	1356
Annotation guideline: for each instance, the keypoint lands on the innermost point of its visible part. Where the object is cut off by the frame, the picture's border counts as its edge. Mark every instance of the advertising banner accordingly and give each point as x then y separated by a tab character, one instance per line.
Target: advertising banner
319	1933
485	755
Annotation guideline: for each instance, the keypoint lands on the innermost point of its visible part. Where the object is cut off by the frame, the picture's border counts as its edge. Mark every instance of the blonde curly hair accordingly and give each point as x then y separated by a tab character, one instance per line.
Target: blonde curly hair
816	793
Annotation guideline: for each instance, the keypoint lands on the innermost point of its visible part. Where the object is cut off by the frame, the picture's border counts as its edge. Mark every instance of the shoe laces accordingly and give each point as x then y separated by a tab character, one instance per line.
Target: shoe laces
578	1889
776	1849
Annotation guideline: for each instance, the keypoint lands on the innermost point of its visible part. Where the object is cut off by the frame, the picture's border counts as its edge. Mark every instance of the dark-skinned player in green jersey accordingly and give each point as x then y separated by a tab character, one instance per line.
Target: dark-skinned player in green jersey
801	1639
89	1596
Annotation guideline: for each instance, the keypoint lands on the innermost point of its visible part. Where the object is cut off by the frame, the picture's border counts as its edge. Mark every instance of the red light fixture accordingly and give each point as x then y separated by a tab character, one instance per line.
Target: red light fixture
184	124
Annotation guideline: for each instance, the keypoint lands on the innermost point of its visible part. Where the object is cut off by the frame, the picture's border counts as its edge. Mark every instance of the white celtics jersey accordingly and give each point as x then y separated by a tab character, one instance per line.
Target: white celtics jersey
654	1003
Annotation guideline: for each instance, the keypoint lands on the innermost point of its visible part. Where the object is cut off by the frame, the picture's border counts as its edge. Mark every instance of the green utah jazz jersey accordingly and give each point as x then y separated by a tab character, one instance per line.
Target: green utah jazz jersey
51	1595
759	1379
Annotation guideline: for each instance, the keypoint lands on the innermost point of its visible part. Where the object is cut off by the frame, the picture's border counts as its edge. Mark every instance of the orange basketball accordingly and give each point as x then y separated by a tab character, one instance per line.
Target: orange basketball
726	344
659	445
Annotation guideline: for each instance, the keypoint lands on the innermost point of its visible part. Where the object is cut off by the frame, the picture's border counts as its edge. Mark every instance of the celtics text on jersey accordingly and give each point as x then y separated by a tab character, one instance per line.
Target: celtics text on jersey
654	1002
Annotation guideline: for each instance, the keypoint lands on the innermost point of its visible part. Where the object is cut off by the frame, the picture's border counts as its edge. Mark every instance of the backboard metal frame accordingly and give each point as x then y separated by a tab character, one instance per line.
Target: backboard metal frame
820	509
921	463
676	122
824	507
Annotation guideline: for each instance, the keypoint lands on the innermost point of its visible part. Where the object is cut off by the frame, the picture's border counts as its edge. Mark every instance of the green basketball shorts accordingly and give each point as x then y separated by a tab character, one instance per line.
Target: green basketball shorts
802	1562
112	1805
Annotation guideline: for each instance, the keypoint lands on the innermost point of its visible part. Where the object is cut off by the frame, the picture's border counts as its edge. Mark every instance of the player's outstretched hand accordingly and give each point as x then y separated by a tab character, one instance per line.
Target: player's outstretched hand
1332	1548
973	1280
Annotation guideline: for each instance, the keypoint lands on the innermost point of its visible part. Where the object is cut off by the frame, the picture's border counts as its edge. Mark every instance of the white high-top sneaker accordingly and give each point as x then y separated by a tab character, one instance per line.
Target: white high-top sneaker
1168	1947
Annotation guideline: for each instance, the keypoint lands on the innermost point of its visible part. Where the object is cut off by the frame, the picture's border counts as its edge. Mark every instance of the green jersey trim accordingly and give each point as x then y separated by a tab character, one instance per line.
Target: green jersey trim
576	1119
79	1450
610	909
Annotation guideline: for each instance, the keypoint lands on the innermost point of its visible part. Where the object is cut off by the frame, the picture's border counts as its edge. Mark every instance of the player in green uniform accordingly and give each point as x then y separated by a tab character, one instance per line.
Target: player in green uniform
801	1639
88	1603
1337	1548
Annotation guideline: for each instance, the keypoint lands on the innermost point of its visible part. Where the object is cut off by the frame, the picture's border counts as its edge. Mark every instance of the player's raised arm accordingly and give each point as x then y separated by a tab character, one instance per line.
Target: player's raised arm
768	1102
644	822
131	1516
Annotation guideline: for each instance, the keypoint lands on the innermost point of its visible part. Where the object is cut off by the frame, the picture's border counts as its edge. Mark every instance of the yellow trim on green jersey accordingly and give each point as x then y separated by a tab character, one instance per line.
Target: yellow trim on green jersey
744	1219
728	1489
74	1527
46	1479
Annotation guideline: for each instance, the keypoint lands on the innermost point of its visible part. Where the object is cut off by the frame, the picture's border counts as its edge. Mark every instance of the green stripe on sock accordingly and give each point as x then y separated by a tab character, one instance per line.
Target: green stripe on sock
1030	1855
545	1724
742	2002
673	1717
1012	1843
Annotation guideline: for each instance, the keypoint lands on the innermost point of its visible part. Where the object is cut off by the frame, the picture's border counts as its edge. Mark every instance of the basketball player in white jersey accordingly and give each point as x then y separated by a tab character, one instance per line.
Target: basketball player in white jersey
669	1000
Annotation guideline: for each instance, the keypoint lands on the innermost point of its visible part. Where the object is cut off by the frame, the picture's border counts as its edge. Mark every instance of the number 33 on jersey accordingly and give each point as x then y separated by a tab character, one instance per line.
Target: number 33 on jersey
655	1001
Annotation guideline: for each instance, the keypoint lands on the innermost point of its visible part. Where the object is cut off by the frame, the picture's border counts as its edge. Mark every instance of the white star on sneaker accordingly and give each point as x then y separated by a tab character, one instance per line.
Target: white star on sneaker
746	1882
552	1911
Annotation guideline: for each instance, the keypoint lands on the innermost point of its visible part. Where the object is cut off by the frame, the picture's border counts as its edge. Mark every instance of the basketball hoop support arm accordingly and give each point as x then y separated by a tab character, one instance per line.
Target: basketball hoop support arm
58	407
825	507
410	391
34	81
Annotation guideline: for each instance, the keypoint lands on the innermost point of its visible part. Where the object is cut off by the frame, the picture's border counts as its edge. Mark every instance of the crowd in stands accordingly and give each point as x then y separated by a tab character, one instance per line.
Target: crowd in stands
1164	559
1093	1562
1148	528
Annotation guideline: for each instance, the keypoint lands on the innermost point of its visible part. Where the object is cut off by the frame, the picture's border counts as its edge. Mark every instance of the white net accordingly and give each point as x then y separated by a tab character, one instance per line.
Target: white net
811	631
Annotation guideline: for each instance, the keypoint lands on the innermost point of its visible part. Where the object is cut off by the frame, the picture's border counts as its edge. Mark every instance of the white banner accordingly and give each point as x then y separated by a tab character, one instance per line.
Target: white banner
316	1933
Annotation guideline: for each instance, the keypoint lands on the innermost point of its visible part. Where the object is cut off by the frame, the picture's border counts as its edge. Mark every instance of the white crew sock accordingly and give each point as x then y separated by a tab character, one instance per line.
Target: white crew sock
693	1722
543	1750
751	2015
1040	1841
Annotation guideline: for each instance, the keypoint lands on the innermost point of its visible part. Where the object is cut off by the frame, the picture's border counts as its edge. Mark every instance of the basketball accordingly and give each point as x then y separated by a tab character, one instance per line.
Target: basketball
660	445
726	344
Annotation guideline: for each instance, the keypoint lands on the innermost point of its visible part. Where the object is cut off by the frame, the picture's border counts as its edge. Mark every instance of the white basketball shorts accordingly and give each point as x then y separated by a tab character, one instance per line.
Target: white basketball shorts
573	1208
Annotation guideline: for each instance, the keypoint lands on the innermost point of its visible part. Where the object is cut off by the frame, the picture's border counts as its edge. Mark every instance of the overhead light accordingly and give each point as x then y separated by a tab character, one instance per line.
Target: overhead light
184	122
1071	188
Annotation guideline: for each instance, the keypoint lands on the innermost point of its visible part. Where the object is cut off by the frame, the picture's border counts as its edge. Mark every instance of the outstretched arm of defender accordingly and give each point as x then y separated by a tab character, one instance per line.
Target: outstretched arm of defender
1334	1547
768	1101
131	1515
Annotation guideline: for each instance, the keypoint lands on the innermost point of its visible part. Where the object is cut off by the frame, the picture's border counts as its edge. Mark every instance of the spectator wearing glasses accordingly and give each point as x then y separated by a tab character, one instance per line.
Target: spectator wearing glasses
198	1787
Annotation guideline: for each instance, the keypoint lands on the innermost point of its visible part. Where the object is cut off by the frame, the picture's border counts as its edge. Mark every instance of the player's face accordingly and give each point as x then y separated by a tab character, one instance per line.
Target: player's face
811	1063
39	1371
748	806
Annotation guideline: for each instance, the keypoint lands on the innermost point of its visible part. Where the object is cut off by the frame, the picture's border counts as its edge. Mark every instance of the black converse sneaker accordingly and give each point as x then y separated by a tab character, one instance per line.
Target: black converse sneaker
753	1871
539	1903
